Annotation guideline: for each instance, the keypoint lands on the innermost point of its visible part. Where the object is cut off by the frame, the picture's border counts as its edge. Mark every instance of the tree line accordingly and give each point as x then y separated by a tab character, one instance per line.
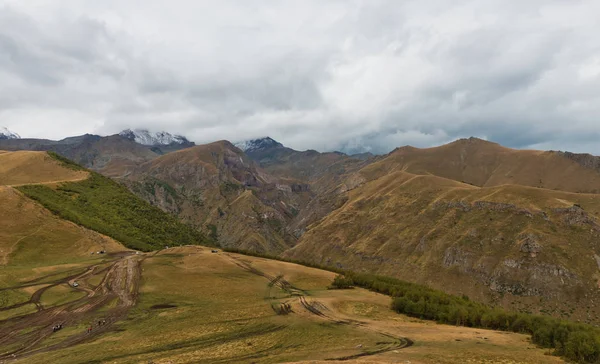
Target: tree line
574	341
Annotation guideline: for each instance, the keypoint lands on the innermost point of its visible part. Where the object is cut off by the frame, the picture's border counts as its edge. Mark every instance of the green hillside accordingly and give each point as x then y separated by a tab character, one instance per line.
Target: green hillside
103	205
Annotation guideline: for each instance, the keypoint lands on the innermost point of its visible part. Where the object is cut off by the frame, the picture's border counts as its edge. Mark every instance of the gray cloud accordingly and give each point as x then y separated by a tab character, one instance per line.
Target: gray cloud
327	75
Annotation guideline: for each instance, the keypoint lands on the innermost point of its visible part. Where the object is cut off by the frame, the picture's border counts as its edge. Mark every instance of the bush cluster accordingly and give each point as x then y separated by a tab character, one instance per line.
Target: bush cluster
578	342
342	282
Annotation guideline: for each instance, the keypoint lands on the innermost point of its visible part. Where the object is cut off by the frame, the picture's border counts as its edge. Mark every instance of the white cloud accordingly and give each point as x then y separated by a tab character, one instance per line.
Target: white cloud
311	73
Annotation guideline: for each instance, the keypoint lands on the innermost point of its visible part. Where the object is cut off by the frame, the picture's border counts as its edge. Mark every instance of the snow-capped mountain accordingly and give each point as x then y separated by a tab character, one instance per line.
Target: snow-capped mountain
145	137
7	134
258	144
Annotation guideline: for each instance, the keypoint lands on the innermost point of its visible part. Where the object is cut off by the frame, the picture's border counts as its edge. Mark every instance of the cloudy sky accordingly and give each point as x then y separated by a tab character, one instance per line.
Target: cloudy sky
321	74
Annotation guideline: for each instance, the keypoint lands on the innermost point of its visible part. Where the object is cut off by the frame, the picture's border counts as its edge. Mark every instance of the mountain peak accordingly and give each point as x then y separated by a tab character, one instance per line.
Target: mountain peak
7	134
258	144
145	137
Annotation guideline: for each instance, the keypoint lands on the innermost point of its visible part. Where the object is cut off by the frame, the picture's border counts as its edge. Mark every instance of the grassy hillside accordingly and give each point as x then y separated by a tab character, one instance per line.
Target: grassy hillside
574	341
30	235
529	249
37	246
103	205
577	342
222	308
27	167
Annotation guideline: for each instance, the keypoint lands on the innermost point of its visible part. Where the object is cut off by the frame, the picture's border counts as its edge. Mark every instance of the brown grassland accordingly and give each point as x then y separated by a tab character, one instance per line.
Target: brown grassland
28	167
198	306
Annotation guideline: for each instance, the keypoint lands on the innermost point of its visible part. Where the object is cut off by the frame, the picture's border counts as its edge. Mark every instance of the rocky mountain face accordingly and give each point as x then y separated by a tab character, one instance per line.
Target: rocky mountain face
322	175
7	134
219	189
261	200
473	218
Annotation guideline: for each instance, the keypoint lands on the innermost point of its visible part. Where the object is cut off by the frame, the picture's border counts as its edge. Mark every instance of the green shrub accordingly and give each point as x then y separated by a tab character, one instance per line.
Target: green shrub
342	282
577	342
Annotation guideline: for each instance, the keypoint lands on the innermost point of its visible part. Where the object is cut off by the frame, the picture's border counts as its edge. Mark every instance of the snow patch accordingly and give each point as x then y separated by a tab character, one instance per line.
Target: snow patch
258	144
7	134
145	137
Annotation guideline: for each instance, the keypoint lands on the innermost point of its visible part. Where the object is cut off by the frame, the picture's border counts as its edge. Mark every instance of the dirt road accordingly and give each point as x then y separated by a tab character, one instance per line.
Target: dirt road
116	293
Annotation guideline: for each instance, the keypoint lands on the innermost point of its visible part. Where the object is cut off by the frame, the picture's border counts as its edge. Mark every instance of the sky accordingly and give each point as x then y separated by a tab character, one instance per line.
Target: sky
347	75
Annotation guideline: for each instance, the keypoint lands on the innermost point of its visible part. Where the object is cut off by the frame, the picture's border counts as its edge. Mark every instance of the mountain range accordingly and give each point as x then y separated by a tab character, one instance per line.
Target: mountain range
517	228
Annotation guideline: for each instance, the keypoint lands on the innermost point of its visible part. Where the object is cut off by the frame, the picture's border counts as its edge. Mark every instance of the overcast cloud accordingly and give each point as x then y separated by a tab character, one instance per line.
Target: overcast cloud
320	74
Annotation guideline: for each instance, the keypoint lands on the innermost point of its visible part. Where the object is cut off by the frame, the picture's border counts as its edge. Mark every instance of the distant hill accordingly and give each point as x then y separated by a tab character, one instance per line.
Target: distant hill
485	164
162	138
113	155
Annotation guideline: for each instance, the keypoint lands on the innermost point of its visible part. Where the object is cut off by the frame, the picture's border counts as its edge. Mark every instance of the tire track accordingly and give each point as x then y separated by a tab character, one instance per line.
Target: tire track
316	308
120	282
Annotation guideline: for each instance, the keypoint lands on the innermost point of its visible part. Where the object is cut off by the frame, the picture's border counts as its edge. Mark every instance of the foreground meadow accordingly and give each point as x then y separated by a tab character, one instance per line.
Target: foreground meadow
197	306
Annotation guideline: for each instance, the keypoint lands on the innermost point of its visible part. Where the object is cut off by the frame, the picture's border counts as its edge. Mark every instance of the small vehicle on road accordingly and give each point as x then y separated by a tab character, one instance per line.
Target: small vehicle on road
75	284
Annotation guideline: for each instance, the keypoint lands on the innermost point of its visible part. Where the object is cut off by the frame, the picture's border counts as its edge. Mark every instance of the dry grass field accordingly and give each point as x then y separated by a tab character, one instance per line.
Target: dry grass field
195	306
28	167
31	237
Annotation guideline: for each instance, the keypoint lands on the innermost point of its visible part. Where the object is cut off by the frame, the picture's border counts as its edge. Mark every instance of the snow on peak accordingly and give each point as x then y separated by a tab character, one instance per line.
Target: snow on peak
145	137
7	134
258	144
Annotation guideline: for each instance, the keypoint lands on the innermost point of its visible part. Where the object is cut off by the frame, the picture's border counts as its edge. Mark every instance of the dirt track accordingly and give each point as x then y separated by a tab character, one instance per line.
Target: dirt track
117	292
317	309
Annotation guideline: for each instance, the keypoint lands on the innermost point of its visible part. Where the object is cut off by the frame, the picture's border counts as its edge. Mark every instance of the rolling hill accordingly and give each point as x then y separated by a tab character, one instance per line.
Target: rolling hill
485	164
472	218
